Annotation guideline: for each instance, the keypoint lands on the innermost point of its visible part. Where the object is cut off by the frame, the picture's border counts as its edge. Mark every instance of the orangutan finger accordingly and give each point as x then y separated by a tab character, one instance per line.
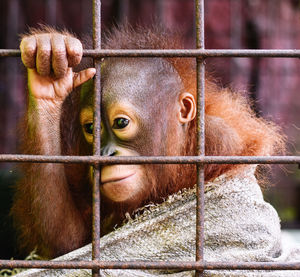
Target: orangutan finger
74	50
59	56
28	51
83	76
43	57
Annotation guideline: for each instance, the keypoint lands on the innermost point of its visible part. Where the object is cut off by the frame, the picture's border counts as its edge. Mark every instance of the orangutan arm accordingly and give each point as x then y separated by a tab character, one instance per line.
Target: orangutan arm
44	209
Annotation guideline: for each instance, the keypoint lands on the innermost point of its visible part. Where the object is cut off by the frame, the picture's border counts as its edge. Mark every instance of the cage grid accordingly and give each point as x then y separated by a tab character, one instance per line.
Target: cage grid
200	54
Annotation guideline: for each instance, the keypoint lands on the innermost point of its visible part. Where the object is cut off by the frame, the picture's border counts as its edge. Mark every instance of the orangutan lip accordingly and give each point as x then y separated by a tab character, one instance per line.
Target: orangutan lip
116	179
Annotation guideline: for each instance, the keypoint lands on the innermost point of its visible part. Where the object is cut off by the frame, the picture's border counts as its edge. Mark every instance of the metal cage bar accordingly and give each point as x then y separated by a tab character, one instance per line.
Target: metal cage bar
96	160
97	138
171	265
187	53
200	71
152	159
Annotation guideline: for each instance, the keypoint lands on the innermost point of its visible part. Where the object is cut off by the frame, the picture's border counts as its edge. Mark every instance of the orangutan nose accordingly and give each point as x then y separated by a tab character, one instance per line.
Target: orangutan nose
108	150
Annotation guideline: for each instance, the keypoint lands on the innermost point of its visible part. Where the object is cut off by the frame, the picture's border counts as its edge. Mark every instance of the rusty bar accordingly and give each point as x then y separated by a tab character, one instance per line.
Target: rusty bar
171	265
203	53
97	138
200	134
10	53
200	24
152	159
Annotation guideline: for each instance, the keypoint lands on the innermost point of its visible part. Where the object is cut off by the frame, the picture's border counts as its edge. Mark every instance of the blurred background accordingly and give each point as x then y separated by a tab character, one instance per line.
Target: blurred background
247	24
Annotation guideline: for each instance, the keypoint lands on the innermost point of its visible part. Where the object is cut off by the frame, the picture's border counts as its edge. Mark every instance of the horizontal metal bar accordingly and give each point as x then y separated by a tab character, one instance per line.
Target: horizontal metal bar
202	53
150	265
10	53
153	159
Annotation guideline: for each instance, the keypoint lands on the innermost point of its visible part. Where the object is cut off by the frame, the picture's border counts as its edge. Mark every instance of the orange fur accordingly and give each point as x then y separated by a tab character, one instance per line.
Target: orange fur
232	128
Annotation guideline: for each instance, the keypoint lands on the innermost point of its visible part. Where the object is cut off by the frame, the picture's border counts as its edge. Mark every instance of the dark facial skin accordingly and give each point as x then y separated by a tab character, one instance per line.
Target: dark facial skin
135	121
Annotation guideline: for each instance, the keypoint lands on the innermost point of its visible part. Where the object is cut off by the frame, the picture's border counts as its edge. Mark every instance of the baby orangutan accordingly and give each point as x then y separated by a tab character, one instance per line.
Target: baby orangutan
148	109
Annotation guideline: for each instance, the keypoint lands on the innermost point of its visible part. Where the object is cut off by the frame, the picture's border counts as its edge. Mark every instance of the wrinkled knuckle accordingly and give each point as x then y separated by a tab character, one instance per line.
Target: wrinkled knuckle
29	50
71	50
59	66
44	53
59	73
27	39
28	46
74	51
75	45
60	53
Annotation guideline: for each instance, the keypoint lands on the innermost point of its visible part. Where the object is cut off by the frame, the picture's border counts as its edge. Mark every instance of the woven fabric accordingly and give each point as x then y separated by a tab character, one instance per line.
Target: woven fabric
239	227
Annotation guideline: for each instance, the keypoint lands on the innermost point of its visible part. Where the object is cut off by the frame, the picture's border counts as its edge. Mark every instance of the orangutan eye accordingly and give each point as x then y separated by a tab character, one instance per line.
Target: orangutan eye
89	128
120	123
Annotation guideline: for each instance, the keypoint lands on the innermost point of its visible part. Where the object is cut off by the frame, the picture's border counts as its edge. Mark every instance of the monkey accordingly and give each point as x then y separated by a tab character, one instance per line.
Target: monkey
148	109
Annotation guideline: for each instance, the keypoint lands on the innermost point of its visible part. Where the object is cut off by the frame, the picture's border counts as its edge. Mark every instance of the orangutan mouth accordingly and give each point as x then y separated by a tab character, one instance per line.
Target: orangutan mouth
116	178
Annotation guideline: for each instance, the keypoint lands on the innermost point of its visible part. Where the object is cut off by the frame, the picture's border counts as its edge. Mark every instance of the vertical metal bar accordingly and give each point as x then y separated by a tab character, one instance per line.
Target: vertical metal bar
200	133
97	133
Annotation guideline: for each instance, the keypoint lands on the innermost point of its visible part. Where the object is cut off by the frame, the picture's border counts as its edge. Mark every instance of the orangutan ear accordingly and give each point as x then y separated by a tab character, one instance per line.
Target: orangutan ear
187	107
